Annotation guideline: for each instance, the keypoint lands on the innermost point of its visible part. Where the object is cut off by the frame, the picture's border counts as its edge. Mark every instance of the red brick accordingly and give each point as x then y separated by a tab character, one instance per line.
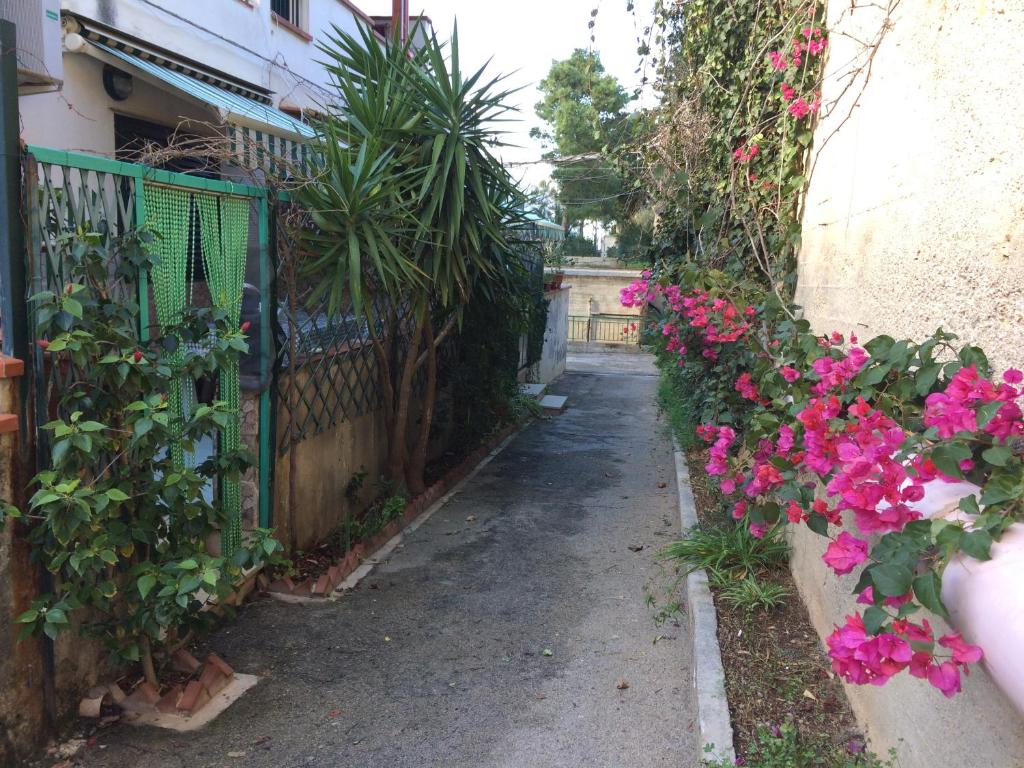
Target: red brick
213	680
336	572
305	589
219	663
282	586
169	701
322	585
183	661
11	367
8	423
195	696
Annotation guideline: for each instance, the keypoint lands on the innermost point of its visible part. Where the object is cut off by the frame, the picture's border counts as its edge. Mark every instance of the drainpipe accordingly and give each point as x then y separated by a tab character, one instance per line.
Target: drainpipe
400	18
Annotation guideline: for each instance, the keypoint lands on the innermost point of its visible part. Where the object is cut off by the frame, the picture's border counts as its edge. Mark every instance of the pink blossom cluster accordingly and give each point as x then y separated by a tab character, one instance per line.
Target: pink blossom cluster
744	153
861	658
640	292
718	320
723	438
813	44
955	409
747	388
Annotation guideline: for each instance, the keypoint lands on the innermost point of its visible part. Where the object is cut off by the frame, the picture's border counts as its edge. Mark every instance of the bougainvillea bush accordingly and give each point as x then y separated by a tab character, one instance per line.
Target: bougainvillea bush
844	437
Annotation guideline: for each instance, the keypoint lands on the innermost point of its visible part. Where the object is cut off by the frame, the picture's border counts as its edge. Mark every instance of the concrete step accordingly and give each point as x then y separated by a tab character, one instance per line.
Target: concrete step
535	391
553	404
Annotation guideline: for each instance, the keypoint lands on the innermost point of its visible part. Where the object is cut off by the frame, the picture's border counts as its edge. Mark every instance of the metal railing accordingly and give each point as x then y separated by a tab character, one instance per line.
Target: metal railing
606	329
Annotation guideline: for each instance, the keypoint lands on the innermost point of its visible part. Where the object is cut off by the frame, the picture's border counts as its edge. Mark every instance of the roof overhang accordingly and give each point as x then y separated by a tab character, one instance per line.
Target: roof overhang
230	106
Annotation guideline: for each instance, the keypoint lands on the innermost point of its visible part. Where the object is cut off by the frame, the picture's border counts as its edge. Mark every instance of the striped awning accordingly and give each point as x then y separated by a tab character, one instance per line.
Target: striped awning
232	108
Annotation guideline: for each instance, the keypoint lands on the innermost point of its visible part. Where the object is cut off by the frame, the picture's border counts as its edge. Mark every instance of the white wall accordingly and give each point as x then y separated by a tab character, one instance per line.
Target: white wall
233	36
556	336
914	219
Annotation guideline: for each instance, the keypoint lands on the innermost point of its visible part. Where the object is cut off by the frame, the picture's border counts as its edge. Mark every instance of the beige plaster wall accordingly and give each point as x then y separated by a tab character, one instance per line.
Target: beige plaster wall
913	220
596	291
915	211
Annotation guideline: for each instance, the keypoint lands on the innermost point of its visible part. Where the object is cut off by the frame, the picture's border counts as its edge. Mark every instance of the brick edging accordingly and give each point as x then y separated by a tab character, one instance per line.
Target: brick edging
321	586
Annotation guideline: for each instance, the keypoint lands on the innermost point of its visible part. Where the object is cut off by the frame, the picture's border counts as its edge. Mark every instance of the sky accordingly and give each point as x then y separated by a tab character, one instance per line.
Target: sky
523	37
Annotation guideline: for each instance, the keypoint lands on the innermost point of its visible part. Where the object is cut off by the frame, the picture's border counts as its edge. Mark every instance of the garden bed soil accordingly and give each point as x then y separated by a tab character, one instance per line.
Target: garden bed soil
776	669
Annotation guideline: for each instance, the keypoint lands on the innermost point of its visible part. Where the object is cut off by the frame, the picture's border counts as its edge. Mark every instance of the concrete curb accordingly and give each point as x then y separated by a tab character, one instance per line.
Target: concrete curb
708	674
381	554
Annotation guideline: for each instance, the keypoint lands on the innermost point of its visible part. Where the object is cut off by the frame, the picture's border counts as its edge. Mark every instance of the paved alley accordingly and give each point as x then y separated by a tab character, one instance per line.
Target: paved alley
510	630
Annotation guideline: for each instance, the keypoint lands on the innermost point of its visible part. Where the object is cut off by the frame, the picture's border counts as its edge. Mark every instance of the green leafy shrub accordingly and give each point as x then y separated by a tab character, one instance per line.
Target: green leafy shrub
118	517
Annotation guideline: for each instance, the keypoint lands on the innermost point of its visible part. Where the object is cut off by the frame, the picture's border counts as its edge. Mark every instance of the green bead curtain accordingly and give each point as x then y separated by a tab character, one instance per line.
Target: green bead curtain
224	230
223	224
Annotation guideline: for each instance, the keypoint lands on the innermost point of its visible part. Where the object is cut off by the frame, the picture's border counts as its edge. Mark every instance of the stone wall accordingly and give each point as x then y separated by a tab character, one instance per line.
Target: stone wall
596	291
913	220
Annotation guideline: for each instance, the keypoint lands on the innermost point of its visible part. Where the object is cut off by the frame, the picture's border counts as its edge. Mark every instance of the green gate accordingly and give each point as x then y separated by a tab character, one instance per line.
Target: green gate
69	192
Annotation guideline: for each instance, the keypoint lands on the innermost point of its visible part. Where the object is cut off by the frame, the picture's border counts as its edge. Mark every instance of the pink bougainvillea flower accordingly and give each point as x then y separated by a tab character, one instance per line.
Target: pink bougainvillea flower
794	513
739	509
778	60
789	373
945	677
758	530
845	553
788	92
1013	376
963	653
799	109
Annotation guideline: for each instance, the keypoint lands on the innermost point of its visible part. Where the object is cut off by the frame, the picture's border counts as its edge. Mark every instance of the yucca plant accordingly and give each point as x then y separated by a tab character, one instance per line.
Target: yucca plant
410	210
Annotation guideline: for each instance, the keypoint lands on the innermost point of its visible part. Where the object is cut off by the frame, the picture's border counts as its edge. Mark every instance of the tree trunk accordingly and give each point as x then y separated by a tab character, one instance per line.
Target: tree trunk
398	450
147	663
418	462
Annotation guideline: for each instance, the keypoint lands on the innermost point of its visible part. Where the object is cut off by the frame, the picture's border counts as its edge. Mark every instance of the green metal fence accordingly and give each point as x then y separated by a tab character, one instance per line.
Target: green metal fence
67	192
606	329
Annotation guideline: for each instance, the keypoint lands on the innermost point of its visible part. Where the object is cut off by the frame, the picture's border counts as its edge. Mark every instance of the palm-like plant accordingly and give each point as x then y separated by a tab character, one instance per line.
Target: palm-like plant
411	209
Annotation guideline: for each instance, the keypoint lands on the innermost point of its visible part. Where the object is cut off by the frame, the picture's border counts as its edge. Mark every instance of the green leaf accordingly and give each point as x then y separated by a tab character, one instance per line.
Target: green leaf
188	565
146	583
879	346
56	616
1004	484
875	374
72	306
987	412
818	524
997	455
116	494
977	544
891	580
874	619
947	458
925	378
28	616
928	591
